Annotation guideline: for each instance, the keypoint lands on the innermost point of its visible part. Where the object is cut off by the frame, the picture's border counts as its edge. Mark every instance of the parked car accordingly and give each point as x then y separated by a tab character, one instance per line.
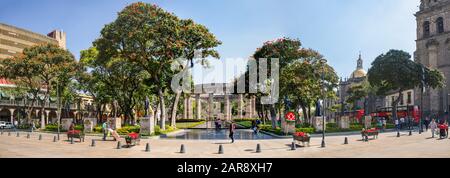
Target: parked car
8	125
2	124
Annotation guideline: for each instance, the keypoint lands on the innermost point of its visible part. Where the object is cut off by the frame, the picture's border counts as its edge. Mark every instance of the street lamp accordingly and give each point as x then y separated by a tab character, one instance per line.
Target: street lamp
58	113
323	62
422	90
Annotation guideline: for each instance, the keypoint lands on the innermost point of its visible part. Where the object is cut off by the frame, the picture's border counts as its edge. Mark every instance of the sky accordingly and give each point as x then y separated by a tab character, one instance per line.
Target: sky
338	29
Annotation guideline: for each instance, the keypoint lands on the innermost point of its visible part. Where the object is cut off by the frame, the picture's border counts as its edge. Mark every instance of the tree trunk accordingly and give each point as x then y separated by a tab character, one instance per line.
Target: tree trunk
309	114
395	105
305	114
163	109
175	110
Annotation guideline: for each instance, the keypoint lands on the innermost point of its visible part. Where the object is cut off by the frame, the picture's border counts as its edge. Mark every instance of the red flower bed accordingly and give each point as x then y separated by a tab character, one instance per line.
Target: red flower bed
74	132
300	134
133	135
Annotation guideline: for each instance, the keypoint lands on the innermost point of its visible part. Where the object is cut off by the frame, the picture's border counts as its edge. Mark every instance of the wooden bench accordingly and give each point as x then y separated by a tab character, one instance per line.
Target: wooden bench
370	133
75	134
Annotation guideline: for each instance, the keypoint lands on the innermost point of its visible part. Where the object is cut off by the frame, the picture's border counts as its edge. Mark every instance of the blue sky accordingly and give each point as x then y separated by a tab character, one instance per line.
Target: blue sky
338	29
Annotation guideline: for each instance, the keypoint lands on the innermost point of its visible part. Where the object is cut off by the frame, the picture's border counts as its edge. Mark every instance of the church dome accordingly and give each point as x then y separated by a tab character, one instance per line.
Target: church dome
359	73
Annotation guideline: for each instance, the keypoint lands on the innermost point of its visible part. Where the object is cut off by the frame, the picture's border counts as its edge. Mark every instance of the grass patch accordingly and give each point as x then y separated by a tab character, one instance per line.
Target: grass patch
188	125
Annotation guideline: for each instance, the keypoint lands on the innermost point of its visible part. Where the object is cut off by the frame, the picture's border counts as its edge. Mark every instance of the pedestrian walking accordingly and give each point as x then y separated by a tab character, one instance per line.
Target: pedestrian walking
433	127
105	130
397	124
427	123
232	129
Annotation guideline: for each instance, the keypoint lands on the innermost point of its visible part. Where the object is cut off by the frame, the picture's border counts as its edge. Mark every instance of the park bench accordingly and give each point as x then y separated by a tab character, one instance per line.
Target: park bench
369	133
132	139
302	137
75	134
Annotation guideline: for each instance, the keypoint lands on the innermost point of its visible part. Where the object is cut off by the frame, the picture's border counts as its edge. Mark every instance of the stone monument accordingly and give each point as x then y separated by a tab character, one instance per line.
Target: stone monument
116	123
318	123
65	123
89	124
344	122
148	121
368	122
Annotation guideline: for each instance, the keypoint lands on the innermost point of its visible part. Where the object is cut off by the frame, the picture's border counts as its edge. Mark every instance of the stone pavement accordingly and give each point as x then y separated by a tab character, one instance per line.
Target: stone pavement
387	146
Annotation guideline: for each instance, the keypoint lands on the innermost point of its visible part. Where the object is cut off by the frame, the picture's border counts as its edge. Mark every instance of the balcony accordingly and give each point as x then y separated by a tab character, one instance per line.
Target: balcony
13	103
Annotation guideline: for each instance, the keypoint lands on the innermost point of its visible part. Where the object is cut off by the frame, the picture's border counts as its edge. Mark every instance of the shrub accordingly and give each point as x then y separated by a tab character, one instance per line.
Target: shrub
303	125
332	125
190	120
129	129
305	130
244	119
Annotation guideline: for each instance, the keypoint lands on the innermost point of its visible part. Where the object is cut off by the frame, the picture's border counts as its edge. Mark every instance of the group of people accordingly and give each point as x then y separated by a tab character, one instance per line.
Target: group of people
107	128
434	126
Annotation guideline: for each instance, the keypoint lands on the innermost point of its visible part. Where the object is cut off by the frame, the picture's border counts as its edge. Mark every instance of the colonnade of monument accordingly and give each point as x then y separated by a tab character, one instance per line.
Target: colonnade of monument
213	107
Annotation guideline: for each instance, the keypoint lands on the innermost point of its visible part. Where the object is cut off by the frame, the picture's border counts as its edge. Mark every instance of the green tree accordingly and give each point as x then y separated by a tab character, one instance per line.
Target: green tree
396	72
195	37
38	68
301	81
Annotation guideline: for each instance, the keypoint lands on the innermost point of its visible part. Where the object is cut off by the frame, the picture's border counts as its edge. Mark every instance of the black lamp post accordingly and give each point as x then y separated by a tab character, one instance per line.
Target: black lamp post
323	62
58	113
422	90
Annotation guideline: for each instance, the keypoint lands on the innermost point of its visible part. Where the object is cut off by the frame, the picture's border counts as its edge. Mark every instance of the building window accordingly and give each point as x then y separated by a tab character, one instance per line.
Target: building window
409	98
426	29
440	25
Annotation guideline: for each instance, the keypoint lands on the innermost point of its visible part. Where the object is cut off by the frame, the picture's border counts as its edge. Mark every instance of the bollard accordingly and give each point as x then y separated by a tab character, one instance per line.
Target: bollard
147	147
182	149
93	143
71	140
40	137
293	146
220	149
398	134
410	133
28	136
54	138
346	141
9	133
119	146
258	148
18	135
2	132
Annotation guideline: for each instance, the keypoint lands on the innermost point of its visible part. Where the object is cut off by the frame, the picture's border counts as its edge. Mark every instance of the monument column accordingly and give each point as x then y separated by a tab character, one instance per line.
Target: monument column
47	114
199	107
190	111
227	107
185	109
241	106
210	106
12	115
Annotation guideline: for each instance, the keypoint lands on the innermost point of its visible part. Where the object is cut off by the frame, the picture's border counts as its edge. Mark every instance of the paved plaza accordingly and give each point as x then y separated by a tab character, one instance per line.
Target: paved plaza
387	146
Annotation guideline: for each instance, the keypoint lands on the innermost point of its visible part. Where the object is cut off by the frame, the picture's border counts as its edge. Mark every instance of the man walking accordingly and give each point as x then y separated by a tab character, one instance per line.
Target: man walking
232	129
105	130
433	127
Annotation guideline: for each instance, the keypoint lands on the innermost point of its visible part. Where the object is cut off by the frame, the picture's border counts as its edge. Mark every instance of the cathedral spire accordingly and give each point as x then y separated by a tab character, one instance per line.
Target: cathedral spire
360	62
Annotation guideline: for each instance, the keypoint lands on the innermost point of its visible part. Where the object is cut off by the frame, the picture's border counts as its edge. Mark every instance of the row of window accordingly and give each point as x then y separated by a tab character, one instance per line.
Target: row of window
25	38
439	27
408	99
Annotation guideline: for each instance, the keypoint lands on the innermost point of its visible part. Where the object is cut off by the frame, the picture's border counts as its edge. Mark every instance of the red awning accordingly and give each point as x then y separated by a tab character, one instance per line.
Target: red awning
5	82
